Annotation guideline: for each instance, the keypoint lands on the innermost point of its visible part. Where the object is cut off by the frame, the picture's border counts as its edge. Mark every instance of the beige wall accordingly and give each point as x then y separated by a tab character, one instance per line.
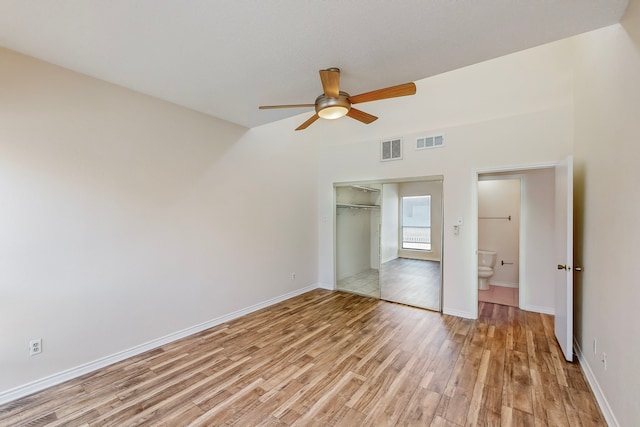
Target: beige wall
607	209
125	218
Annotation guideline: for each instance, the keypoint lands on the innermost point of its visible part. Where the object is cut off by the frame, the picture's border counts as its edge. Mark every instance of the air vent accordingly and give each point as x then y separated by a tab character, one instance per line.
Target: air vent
391	150
429	142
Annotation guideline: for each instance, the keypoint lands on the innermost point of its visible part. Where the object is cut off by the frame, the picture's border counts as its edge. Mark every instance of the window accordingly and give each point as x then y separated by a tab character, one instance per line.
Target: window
416	223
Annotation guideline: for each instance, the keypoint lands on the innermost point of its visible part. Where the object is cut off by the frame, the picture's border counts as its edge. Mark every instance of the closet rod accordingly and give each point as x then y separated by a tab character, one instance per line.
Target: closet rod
495	217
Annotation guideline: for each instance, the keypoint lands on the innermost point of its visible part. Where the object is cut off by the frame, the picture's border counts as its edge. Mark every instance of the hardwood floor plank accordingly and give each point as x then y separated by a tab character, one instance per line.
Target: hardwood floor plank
421	408
334	359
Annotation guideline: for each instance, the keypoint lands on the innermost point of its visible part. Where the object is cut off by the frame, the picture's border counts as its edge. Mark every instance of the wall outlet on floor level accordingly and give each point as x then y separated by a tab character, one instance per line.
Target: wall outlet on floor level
604	361
293	276
35	346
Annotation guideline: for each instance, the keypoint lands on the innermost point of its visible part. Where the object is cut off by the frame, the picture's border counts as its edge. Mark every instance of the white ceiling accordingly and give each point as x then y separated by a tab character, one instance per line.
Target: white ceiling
224	58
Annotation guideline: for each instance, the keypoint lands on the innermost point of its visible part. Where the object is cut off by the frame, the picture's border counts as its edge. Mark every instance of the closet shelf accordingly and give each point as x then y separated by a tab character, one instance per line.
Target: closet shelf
365	188
355	206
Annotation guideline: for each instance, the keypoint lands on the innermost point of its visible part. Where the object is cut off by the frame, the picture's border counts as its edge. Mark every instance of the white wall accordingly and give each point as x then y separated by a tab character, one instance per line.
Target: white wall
125	219
353	241
510	111
374	231
390	222
607	209
500	198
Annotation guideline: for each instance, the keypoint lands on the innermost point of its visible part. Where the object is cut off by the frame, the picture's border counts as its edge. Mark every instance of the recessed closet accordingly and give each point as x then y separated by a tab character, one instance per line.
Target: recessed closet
388	240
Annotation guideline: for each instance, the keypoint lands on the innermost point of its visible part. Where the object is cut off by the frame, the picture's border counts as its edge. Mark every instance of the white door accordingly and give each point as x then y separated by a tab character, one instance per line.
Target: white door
564	255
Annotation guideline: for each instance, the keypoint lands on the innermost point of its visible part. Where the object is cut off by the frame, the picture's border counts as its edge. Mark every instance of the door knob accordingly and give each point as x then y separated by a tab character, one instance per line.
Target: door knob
562	267
579	269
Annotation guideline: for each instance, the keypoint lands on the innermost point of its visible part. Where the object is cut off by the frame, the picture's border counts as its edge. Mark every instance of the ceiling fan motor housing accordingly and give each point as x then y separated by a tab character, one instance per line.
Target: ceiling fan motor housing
333	108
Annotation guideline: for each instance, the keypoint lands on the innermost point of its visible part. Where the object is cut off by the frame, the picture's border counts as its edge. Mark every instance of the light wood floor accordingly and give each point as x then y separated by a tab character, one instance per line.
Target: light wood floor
332	358
365	283
411	281
407	281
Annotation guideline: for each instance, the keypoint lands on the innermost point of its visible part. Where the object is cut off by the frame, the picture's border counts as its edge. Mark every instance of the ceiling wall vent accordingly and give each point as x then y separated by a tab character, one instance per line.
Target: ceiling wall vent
391	150
425	142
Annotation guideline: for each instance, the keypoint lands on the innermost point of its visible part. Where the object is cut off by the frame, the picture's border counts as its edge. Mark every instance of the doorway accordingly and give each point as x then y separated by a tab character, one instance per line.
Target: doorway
537	234
499	206
388	240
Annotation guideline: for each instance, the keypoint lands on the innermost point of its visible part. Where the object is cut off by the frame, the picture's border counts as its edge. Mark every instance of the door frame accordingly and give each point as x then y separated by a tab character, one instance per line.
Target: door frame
514	170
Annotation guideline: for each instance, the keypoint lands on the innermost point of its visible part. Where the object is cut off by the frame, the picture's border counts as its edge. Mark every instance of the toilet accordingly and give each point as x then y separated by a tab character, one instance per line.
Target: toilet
486	261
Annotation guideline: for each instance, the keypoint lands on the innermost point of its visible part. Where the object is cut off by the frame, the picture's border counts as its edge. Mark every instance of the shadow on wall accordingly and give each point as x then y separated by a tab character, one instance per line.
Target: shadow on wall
632	29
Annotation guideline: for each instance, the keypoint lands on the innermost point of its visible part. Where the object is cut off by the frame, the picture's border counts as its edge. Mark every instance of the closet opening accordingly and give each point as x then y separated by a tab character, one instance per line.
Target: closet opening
388	240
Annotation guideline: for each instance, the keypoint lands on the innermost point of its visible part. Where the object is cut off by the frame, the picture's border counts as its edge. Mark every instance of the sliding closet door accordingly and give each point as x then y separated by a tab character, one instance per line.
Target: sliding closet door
411	239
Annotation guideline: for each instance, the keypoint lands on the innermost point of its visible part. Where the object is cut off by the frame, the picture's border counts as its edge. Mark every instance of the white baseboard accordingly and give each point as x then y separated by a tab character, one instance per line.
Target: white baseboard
325	286
388	259
595	387
458	313
538	309
505	284
66	375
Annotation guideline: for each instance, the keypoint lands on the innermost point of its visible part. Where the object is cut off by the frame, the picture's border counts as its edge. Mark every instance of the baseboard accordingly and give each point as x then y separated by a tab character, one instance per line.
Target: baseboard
595	387
325	286
459	313
505	284
538	309
66	375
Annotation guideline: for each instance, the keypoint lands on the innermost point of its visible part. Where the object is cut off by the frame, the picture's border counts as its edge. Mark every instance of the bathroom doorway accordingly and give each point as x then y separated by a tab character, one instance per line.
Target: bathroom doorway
499	206
388	241
537	237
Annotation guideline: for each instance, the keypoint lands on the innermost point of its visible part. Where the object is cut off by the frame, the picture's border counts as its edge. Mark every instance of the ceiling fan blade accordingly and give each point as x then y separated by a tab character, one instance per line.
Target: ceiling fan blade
308	122
330	82
272	107
390	92
365	118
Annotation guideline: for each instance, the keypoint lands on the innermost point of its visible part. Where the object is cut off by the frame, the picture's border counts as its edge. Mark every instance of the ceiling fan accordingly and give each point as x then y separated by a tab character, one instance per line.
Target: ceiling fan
334	103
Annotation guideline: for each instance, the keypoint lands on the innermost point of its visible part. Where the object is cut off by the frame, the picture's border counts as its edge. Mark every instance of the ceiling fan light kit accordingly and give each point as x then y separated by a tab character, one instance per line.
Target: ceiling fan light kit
334	103
333	108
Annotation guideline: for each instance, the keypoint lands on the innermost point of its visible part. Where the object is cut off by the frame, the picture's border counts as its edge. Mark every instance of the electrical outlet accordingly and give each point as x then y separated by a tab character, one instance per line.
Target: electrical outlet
604	361
293	276
595	347
35	347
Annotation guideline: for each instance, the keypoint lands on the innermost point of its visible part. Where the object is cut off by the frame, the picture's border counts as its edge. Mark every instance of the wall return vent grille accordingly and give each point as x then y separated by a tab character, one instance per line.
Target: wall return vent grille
391	150
425	142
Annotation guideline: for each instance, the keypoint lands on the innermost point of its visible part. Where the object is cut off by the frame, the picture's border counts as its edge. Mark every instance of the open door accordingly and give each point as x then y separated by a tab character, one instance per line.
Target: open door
563	326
